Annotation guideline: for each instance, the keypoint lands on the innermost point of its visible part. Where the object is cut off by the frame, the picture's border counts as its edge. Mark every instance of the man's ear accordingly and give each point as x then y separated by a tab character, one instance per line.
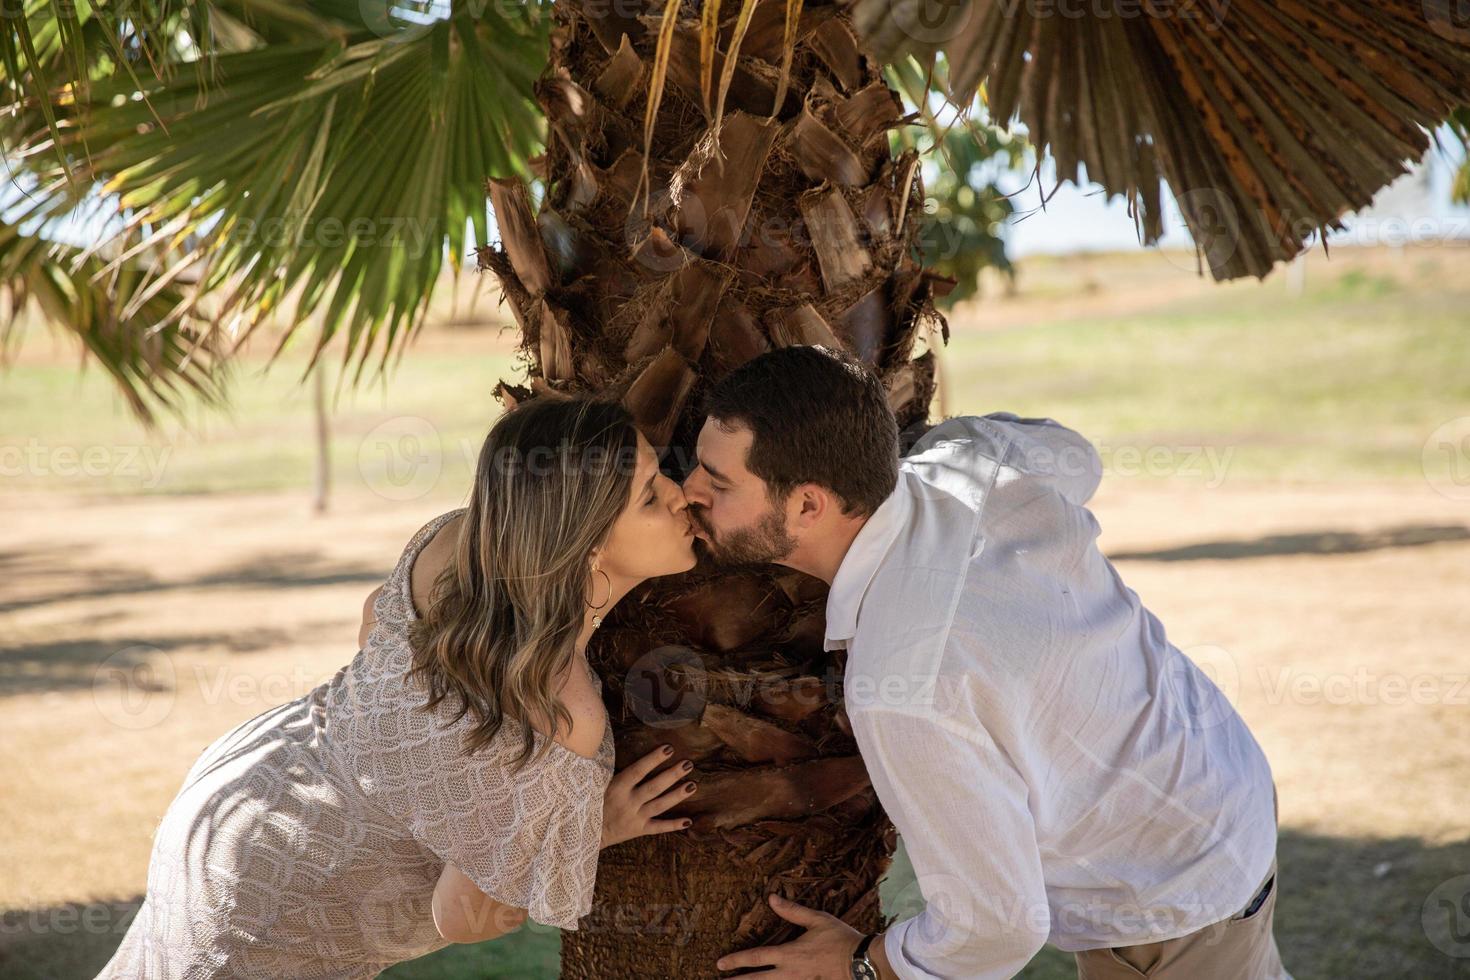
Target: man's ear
812	502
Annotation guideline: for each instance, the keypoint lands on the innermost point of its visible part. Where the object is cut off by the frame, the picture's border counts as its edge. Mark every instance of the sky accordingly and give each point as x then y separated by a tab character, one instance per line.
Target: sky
1082	219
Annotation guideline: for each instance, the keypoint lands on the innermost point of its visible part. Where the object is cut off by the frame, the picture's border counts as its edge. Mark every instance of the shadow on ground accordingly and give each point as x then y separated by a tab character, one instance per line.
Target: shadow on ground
1348	910
47	576
1307	543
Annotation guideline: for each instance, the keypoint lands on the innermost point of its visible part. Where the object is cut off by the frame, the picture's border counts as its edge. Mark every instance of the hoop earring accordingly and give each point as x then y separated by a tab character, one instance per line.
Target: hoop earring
597	620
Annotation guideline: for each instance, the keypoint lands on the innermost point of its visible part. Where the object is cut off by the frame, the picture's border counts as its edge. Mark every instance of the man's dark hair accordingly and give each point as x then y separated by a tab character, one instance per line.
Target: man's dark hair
817	416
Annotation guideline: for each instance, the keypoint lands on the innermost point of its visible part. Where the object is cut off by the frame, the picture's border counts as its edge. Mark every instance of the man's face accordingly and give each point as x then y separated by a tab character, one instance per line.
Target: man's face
732	513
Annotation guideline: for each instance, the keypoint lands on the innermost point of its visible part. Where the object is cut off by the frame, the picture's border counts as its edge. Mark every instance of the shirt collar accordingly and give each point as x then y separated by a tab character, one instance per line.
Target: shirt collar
860	564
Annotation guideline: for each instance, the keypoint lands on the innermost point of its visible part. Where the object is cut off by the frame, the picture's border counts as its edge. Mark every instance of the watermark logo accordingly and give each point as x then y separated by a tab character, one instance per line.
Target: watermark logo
1446	917
401	459
1450	19
1446	459
1202	682
947	906
1214	224
143	463
134	687
666	687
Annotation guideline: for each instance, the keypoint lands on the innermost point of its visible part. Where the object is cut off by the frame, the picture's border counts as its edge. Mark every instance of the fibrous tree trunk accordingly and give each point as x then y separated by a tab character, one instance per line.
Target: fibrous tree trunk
783	224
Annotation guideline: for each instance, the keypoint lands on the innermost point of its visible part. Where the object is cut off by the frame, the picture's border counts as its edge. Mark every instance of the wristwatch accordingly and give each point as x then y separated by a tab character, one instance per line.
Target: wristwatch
862	967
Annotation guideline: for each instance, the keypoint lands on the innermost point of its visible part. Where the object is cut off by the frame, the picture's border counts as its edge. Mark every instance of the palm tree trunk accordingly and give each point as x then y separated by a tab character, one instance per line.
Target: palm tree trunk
767	230
321	474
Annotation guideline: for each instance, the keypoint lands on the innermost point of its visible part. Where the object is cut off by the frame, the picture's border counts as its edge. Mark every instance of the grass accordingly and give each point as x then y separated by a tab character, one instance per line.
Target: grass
1171	377
1346	381
263	440
1247	381
532	953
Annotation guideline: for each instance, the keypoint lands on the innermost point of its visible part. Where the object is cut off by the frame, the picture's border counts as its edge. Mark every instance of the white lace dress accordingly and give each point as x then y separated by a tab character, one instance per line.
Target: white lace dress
306	842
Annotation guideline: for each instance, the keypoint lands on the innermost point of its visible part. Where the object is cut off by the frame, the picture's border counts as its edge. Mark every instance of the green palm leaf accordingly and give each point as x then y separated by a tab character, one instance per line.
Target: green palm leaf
1460	128
323	176
159	361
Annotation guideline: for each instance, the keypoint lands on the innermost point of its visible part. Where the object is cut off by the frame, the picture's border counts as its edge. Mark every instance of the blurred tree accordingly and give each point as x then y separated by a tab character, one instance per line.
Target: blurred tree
1460	125
966	211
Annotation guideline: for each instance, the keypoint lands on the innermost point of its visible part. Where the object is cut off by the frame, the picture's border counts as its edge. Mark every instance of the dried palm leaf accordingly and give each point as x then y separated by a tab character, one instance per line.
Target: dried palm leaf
1268	120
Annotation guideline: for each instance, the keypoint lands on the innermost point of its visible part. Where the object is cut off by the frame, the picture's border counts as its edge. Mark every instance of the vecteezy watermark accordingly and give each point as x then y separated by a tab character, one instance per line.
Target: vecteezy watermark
225	685
666	687
1212	463
401	459
1214	225
1446	458
1202	683
938	21
407	21
71	919
144	463
1446	917
680	922
1217	223
1364	687
134	688
413	236
1081	460
1450	19
954	911
137	686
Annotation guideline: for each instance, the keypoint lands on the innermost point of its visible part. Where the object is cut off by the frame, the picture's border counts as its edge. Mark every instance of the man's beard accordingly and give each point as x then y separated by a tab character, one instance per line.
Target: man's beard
763	542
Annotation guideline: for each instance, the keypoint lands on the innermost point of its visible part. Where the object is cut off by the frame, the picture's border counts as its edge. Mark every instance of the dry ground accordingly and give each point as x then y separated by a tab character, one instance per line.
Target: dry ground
137	629
1317	575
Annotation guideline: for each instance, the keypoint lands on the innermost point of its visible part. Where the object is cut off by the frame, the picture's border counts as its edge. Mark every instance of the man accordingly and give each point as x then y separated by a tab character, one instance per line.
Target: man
1057	769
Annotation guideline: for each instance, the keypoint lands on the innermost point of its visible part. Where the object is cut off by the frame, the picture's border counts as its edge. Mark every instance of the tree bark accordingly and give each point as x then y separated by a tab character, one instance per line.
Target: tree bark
789	224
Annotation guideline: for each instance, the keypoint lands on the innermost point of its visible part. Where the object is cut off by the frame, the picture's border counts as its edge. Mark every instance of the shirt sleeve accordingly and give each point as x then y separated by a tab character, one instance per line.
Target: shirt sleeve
528	838
1038	447
962	811
1048	449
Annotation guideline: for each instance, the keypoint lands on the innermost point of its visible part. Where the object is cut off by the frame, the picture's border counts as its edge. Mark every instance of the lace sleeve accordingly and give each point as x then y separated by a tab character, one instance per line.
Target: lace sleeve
528	839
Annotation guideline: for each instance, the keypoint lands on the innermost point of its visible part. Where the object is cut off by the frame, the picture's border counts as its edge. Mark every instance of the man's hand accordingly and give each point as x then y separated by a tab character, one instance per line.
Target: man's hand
823	952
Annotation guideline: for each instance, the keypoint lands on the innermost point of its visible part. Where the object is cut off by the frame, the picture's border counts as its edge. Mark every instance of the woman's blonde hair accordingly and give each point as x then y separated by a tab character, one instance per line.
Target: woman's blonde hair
504	614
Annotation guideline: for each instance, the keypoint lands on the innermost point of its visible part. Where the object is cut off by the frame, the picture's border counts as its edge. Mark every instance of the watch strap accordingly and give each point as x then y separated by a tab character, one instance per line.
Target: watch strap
862	967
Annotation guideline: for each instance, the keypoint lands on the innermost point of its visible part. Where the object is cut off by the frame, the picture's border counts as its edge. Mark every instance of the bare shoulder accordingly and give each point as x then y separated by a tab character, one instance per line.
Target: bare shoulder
582	700
589	716
431	560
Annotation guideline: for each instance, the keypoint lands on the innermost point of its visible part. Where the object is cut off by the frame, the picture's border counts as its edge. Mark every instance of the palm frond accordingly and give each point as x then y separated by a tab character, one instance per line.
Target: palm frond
322	176
159	361
1268	122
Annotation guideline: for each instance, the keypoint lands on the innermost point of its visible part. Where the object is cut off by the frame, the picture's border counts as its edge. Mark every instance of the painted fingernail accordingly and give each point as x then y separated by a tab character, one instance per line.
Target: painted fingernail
687	765
668	750
689	787
688	823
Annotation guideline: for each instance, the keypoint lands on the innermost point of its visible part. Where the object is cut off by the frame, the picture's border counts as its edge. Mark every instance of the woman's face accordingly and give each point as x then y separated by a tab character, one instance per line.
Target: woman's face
652	536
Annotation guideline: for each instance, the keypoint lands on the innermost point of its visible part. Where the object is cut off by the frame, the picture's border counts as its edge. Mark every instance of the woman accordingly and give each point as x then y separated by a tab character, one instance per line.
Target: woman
456	776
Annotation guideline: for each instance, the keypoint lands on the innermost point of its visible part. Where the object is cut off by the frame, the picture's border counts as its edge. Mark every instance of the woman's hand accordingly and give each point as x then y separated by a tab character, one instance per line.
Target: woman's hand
635	799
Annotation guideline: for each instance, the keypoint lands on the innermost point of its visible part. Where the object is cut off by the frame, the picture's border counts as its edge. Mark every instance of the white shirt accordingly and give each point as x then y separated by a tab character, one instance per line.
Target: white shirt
1057	769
